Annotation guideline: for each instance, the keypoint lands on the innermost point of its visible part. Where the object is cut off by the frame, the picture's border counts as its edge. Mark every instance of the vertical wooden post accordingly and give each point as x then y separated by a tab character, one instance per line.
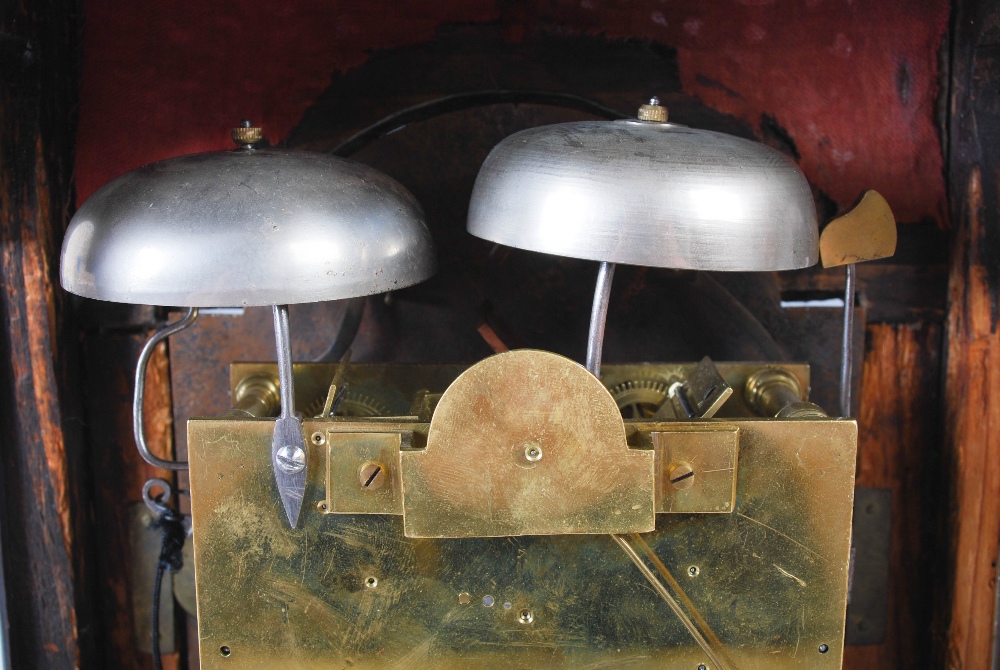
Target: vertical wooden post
41	466
898	434
972	381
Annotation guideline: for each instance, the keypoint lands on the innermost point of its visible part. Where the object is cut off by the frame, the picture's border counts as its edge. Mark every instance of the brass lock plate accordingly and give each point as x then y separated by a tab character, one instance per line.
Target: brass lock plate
696	467
362	472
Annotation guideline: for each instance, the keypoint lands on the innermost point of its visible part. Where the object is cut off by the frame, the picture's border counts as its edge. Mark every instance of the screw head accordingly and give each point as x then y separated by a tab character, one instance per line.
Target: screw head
371	475
291	459
680	475
533	453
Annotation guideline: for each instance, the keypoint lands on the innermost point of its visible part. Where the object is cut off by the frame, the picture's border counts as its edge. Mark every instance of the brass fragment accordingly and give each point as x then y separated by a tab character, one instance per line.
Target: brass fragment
866	233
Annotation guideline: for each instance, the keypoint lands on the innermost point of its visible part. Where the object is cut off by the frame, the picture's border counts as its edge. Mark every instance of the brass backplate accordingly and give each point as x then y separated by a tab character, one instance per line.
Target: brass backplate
768	580
526	443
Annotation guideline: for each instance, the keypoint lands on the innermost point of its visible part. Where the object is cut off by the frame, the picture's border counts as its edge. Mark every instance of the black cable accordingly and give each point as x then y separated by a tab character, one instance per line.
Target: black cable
171	559
155	635
461	101
425	111
354	311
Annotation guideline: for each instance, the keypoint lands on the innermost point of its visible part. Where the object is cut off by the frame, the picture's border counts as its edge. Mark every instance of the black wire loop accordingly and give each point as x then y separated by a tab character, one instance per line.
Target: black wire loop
170	522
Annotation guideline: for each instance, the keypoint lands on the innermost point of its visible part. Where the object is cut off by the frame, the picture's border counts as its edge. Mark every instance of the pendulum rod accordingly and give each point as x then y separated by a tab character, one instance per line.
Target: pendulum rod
595	347
847	342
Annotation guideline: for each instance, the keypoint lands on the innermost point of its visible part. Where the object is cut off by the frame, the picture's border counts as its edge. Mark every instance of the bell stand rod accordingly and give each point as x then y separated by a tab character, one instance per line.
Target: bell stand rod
288	449
140	390
595	347
599	317
283	347
847	341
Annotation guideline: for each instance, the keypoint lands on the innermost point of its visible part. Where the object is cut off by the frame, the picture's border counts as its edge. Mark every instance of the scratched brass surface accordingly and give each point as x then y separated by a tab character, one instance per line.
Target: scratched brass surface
701	463
769	580
347	454
709	450
526	443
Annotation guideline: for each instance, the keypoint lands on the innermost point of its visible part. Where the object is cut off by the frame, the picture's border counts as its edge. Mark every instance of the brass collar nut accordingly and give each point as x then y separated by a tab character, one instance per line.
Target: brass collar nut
653	111
246	135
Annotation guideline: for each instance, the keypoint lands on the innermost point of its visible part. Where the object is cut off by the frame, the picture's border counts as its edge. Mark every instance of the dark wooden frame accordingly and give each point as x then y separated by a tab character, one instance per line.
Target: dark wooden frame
45	499
972	380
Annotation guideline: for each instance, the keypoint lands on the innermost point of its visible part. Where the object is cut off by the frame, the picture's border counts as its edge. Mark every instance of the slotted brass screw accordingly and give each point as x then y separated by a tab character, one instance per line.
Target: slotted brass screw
681	475
372	476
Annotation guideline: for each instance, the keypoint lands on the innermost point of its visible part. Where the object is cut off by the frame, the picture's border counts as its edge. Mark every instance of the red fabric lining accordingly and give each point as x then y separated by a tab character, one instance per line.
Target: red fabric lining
853	83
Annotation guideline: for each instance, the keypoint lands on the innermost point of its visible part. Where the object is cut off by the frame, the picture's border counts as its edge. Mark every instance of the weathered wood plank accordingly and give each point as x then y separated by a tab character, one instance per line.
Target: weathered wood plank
972	416
42	475
890	293
899	436
972	381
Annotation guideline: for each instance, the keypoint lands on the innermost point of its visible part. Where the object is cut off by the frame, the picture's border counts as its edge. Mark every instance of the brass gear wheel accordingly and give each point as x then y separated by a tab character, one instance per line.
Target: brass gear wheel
639	398
355	403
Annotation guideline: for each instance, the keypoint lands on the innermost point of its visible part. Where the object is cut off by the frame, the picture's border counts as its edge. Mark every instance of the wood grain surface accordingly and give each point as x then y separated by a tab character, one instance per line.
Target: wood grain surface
972	381
898	440
44	502
972	418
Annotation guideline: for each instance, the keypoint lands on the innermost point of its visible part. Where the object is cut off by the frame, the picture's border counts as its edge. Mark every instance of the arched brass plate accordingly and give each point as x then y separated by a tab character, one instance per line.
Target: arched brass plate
526	443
